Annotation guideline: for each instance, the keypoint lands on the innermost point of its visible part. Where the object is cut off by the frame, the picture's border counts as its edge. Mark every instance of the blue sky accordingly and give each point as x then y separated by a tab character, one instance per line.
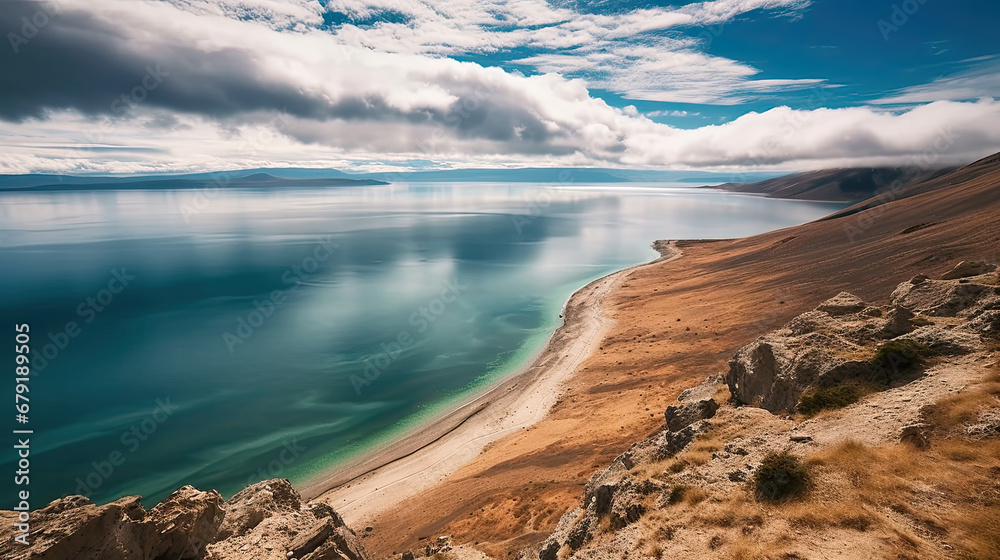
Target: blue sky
134	86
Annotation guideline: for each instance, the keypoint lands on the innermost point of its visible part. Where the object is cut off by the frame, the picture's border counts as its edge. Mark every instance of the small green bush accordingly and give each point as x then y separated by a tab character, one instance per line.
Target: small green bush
829	398
900	355
780	476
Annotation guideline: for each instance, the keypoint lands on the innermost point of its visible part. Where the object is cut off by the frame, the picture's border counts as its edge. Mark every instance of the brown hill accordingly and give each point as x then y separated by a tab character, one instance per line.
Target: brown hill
837	185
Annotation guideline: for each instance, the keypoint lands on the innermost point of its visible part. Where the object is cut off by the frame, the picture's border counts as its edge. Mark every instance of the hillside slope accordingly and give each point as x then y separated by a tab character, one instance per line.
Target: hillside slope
678	323
836	185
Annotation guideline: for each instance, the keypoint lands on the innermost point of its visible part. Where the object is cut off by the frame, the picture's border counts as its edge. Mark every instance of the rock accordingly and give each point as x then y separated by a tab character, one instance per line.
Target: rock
800	439
842	304
626	460
916	435
550	550
256	502
188	524
184	523
735	449
737	476
965	269
897	322
704	390
775	370
939	298
310	539
626	508
679	417
986	323
944	341
601	498
671	443
407	555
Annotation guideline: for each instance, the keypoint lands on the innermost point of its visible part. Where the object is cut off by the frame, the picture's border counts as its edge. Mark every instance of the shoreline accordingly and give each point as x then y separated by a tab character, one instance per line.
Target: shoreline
431	452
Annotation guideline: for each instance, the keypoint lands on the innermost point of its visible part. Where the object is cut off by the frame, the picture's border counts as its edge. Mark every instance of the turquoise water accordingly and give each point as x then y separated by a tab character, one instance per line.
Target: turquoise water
216	339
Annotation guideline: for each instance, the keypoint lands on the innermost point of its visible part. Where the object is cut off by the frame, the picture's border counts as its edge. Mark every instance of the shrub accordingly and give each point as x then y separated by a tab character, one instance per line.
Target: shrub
677	494
829	398
900	355
779	477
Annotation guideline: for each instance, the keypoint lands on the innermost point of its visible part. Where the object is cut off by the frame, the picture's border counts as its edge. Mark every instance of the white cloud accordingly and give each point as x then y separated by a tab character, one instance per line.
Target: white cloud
981	79
257	90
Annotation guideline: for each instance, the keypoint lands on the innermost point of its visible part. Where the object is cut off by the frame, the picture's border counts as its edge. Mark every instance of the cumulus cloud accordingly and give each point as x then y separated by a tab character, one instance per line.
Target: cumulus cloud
135	86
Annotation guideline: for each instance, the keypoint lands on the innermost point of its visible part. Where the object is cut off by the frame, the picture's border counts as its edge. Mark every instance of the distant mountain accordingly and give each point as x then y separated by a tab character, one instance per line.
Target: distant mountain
208	181
837	185
289	177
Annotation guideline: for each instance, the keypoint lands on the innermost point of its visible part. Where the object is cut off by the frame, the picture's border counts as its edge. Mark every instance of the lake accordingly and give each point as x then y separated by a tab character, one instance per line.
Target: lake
221	338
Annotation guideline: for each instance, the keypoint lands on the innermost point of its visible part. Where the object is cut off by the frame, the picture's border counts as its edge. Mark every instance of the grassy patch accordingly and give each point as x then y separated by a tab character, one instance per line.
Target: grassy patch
780	476
900	355
830	398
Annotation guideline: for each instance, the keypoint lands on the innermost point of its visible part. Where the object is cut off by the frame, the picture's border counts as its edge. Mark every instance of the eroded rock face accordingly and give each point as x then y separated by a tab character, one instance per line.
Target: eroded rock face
965	269
189	524
773	371
940	298
681	416
257	502
836	342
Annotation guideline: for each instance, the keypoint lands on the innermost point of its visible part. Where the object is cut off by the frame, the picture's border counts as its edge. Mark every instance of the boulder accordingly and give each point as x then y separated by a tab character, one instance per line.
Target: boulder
842	304
681	416
184	523
257	502
775	370
897	322
966	269
986	323
188	524
939	298
942	340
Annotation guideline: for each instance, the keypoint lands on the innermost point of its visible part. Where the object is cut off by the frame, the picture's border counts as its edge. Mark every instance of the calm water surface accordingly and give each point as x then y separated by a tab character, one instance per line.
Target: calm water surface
219	339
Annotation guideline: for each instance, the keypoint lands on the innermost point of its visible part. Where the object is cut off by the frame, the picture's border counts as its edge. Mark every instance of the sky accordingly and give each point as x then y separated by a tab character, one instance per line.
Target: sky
135	86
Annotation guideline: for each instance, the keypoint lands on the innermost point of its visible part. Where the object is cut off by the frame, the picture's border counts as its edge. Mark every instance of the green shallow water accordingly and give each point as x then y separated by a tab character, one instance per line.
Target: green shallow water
239	347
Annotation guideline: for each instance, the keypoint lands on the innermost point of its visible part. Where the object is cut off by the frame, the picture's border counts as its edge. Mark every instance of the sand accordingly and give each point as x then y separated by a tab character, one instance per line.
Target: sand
426	456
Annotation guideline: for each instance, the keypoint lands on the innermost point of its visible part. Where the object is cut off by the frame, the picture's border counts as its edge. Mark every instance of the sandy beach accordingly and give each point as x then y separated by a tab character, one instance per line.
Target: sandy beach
425	457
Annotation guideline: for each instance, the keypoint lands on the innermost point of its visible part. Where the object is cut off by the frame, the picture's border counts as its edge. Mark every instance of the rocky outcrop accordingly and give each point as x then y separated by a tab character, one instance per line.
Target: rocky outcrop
681	416
617	495
836	342
265	521
966	269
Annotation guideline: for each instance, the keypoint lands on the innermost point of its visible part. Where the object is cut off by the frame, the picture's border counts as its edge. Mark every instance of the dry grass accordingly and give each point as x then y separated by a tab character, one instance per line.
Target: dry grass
819	515
949	414
696	495
949	491
737	511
